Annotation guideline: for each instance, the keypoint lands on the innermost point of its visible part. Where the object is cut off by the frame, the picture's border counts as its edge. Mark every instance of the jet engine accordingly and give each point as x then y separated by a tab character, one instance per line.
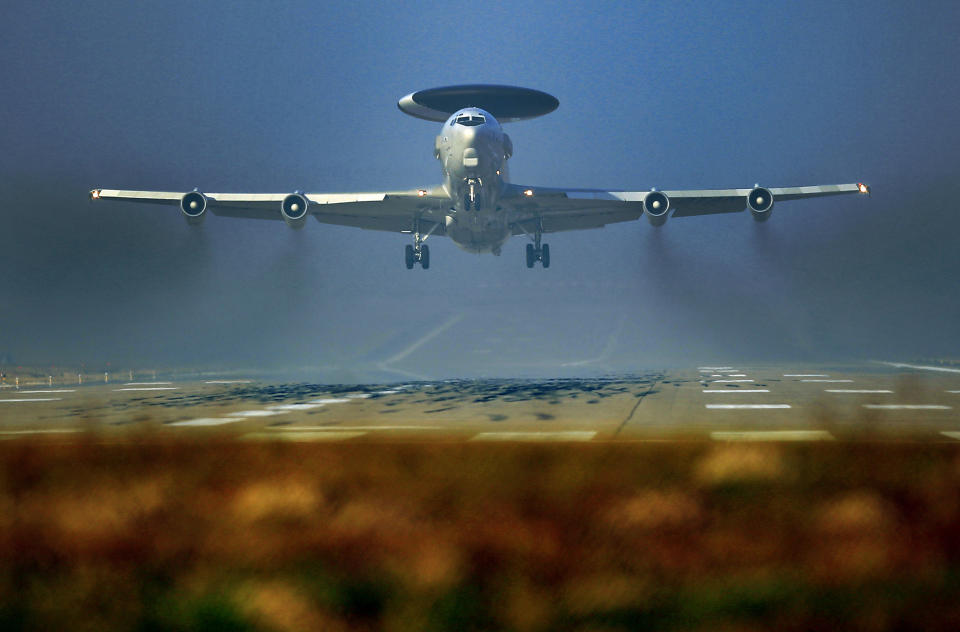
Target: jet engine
193	205
655	206
294	210
760	203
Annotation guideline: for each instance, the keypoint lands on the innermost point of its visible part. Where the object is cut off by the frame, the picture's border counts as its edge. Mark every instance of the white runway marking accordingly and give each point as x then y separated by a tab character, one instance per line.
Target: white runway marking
736	375
953	391
144	388
9	434
359	396
952	435
228	382
207	421
33	399
146	383
572	435
773	435
329	400
736	390
256	413
805	375
829	381
854	390
51	391
388	392
907	407
730	381
717	368
745	406
289	407
921	367
304	436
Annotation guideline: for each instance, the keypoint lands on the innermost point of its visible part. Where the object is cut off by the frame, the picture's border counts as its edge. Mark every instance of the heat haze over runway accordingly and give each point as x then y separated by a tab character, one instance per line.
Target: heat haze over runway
719	402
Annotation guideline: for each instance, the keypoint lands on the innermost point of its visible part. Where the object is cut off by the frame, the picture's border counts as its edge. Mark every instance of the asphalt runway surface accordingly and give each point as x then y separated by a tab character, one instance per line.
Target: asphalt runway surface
717	402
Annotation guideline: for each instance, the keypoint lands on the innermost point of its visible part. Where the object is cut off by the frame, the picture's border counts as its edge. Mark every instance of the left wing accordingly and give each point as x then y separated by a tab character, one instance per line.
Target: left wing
575	209
393	211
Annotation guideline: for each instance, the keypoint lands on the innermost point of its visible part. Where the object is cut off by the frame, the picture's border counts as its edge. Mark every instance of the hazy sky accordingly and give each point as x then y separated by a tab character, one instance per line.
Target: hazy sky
283	96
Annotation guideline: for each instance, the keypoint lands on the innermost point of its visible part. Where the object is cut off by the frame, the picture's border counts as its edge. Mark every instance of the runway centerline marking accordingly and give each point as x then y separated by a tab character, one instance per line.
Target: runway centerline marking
806	375
745	406
736	390
855	390
829	381
571	435
51	391
907	407
773	435
143	388
32	399
207	421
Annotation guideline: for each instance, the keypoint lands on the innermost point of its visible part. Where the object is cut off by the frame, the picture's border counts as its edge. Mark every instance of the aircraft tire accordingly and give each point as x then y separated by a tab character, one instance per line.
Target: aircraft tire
408	252
530	256
545	255
425	257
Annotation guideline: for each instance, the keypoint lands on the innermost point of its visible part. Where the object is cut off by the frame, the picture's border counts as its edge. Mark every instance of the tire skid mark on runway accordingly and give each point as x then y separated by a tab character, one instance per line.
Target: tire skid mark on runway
653	384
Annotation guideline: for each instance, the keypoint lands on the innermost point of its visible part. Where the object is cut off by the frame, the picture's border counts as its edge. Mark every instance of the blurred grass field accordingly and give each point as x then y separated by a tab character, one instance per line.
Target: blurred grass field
157	533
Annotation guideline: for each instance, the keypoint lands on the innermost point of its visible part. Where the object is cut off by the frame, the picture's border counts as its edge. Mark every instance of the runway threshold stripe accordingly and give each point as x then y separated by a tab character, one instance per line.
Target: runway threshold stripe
207	421
907	407
736	390
855	390
773	435
745	406
573	435
31	399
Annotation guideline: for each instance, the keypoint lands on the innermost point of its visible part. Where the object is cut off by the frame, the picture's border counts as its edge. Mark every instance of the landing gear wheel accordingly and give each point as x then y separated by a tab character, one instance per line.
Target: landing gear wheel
425	257
545	255
531	257
408	252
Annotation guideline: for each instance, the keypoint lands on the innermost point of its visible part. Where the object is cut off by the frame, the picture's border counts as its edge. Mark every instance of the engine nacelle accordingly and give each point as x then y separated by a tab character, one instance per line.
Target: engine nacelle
760	203
294	210
655	207
193	205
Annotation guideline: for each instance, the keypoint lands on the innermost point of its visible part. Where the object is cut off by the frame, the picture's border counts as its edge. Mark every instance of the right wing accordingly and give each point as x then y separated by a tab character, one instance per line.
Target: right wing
392	211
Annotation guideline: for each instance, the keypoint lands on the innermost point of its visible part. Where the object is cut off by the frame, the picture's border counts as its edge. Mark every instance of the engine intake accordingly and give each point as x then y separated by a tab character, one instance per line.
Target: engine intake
294	210
760	203
193	205
655	206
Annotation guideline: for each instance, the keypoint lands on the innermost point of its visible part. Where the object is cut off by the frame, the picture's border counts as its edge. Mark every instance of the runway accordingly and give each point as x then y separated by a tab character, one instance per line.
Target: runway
729	402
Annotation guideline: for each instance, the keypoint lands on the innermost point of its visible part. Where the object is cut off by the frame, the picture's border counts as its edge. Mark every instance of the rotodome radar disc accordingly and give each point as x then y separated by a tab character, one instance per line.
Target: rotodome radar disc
505	103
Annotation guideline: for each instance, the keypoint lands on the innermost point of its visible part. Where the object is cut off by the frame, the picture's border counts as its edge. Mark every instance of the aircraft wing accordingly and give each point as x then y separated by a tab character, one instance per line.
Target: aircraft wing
575	209
392	211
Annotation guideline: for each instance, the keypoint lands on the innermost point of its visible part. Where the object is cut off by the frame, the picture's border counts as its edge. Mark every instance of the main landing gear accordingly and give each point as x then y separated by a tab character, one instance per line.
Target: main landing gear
537	251
419	252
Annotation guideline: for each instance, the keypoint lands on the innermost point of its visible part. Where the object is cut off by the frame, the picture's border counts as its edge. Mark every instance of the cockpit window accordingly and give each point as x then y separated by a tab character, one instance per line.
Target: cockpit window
471	119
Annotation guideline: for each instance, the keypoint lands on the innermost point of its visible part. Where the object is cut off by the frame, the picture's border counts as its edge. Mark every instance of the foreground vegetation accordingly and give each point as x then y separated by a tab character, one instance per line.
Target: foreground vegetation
219	534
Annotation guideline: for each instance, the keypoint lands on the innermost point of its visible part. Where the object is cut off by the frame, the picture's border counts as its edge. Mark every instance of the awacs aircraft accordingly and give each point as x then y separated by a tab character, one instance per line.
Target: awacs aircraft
475	205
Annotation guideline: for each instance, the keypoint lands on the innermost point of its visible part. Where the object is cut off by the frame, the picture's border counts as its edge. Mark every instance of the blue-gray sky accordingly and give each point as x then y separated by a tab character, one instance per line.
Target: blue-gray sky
302	95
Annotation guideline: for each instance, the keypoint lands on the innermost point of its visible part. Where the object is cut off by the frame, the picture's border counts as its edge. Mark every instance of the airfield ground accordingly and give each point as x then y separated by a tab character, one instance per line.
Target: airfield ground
654	501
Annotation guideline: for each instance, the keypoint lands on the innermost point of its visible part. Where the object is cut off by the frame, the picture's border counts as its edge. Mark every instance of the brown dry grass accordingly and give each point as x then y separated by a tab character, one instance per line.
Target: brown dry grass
189	534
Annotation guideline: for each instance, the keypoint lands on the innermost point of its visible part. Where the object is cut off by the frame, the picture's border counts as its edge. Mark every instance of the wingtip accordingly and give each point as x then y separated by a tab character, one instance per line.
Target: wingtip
863	188
94	194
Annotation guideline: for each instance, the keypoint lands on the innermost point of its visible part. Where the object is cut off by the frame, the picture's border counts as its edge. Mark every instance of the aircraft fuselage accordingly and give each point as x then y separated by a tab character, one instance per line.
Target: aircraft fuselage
473	152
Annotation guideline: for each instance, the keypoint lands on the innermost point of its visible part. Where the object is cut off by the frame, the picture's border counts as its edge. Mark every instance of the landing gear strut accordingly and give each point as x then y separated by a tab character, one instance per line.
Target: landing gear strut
537	251
419	252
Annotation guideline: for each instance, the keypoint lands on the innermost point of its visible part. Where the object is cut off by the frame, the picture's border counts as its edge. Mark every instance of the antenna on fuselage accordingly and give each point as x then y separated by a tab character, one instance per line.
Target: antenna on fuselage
505	103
